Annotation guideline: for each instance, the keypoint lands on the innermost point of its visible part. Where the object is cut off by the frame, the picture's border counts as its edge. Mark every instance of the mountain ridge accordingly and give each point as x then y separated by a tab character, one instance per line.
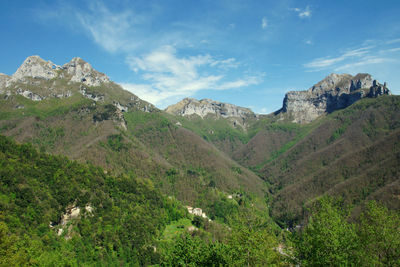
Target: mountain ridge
334	92
208	107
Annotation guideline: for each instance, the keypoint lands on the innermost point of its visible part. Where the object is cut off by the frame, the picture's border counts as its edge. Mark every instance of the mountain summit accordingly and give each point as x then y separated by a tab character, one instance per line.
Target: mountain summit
335	92
207	107
38	79
77	70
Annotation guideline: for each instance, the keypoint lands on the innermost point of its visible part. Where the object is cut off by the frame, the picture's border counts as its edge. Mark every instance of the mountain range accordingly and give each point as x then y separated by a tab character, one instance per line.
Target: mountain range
340	137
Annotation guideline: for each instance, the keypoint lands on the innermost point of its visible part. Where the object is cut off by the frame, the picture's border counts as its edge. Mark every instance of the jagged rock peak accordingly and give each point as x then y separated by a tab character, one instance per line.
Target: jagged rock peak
345	82
82	71
334	92
36	67
77	70
204	107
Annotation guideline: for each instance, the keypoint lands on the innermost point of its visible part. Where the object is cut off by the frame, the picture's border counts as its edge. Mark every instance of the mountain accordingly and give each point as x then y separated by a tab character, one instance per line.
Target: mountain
336	91
352	153
238	116
202	151
37	80
76	111
311	147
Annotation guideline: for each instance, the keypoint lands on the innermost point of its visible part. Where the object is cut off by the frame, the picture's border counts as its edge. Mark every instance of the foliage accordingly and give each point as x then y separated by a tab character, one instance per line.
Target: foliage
128	216
330	239
379	236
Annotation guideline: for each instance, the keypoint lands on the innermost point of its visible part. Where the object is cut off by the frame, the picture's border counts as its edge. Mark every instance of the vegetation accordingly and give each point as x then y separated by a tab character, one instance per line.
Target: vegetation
330	239
319	181
36	189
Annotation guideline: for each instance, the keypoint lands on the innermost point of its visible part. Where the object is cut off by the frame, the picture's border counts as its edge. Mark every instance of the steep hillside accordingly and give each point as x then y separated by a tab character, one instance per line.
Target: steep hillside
58	212
353	153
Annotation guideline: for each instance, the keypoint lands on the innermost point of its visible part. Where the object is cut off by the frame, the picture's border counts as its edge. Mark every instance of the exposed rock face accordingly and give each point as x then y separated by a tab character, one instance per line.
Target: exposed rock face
3	81
77	70
92	96
335	92
83	72
37	79
36	67
30	95
204	107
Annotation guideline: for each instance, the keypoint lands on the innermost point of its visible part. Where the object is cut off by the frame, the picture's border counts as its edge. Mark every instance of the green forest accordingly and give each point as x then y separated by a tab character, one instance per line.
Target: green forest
125	220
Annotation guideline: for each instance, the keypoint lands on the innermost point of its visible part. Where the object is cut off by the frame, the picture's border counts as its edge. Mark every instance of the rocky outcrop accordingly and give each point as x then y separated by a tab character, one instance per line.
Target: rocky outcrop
36	67
72	213
3	81
91	95
30	95
190	106
77	70
335	92
83	72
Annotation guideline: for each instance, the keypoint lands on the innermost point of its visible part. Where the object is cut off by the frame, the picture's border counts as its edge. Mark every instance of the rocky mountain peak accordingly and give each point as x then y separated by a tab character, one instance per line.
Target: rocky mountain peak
77	70
344	82
334	92
204	107
36	67
83	72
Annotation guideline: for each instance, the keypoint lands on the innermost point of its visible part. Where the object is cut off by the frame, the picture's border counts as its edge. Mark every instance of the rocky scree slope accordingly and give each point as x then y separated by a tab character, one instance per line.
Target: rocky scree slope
336	91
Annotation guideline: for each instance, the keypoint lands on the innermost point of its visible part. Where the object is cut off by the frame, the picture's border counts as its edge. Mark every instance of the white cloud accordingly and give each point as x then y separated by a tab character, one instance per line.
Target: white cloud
162	70
264	23
363	62
356	59
109	30
323	62
303	13
170	76
319	63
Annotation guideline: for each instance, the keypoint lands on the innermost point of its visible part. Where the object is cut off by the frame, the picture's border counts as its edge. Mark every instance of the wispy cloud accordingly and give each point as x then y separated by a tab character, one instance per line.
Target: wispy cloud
303	12
363	62
373	54
164	64
264	23
113	31
170	76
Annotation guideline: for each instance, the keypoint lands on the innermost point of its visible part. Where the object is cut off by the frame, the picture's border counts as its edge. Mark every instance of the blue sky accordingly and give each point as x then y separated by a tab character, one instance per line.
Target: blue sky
248	53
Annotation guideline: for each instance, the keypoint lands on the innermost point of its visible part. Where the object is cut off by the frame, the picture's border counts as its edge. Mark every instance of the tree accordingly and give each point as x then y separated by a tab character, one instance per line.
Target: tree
252	243
379	234
328	239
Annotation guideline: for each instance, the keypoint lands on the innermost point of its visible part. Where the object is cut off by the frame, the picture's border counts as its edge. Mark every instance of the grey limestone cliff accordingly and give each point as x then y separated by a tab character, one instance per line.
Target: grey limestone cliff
77	70
83	72
207	107
38	79
335	92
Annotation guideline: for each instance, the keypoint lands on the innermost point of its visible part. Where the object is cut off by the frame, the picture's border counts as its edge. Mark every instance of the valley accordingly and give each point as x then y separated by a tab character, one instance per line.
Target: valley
71	137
